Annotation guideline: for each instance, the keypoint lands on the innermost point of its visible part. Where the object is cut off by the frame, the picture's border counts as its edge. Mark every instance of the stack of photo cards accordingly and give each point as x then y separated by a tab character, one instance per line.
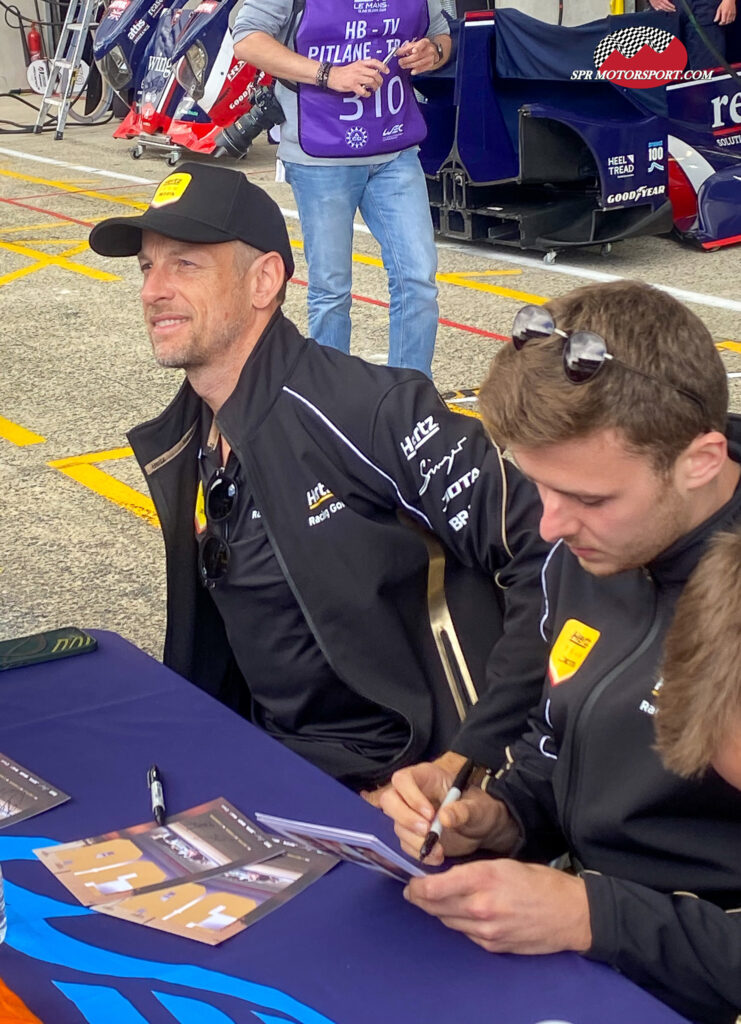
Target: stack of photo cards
207	874
356	847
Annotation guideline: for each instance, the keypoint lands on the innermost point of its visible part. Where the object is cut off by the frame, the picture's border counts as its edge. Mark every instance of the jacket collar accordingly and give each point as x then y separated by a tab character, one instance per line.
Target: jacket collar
262	378
674	565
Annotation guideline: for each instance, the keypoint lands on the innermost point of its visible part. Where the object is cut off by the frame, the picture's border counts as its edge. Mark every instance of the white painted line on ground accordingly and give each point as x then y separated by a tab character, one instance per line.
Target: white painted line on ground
76	167
699	298
496	256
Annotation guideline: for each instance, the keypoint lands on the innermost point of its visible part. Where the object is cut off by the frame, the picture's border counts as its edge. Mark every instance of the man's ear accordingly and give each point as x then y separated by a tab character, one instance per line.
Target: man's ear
269	274
702	460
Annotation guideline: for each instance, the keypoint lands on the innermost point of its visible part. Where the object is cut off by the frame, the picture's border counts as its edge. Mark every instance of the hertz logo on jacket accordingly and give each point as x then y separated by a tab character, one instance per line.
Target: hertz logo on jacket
318	496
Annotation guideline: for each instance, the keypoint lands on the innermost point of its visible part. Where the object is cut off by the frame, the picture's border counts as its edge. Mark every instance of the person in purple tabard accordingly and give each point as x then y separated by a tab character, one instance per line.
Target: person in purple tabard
349	143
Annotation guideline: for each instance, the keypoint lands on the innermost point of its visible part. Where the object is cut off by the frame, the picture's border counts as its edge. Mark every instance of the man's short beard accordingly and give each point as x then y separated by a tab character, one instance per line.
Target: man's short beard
192	355
177	362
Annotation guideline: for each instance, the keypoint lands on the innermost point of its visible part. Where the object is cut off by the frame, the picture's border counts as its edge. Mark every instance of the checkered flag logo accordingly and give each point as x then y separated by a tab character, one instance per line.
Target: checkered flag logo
629	41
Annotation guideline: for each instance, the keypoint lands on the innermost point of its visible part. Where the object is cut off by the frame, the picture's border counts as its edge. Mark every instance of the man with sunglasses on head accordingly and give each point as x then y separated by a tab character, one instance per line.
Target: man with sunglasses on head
286	475
613	401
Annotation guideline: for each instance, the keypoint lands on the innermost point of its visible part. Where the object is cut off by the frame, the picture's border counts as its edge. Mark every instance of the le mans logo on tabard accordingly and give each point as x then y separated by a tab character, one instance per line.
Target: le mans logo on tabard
570	650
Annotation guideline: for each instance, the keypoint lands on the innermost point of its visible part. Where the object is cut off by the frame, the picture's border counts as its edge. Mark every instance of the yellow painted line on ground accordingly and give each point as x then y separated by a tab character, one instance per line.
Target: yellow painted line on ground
45	260
45	226
76	249
50	241
89	458
486	273
22	272
17	434
464	410
82	469
734	346
461	281
24	227
67	186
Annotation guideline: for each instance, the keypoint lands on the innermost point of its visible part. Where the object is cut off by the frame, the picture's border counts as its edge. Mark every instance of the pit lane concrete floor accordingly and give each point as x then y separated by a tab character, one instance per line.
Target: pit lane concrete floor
78	544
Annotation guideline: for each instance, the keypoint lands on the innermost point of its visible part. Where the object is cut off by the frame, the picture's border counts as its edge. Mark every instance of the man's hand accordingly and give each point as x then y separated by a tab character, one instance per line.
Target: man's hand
726	12
475	821
418	56
449	762
373	796
663	5
362	77
508	907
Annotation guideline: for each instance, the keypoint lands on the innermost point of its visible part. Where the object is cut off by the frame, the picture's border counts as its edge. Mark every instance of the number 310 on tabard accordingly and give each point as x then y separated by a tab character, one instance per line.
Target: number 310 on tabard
393	93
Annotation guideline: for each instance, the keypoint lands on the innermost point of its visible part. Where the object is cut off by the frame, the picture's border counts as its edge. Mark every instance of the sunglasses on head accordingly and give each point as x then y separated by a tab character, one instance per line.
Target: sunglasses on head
584	352
220	499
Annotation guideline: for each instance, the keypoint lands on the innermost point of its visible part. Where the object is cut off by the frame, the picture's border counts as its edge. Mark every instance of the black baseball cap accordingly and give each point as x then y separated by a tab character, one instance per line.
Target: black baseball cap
204	204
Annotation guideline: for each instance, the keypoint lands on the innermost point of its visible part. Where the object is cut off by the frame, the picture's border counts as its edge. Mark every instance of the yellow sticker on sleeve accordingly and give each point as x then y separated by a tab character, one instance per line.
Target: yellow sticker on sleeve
570	650
171	189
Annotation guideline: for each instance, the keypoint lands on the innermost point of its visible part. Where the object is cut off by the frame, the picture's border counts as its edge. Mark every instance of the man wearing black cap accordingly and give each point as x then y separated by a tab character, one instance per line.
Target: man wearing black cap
286	475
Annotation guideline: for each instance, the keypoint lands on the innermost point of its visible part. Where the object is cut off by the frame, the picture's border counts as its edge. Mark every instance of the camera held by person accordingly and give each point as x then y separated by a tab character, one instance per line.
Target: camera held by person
265	112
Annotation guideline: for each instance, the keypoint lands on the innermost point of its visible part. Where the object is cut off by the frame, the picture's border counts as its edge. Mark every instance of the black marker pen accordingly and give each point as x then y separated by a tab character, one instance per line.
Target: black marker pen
154	781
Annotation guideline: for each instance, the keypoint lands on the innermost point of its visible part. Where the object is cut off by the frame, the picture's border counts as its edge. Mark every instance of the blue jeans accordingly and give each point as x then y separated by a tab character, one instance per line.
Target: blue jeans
392	198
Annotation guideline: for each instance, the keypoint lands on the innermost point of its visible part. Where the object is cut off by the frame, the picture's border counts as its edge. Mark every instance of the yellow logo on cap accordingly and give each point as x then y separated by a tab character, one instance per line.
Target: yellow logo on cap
570	650
171	189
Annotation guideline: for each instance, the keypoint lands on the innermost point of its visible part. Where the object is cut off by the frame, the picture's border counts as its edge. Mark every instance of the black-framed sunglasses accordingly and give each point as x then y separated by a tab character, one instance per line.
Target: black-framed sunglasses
584	352
220	500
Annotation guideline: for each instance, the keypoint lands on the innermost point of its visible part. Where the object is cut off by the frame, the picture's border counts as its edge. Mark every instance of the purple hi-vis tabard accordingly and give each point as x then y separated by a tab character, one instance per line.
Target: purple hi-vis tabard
334	124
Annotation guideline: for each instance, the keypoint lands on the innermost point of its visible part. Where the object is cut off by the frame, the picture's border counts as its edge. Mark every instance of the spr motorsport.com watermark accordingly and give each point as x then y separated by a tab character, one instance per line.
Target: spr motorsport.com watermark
640	57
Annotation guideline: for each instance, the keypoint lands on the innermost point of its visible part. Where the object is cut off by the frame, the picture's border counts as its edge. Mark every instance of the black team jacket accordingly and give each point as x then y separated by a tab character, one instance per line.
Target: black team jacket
660	855
305	421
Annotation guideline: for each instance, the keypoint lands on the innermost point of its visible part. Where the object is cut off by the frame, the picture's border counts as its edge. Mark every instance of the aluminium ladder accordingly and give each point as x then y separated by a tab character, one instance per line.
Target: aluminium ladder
65	67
